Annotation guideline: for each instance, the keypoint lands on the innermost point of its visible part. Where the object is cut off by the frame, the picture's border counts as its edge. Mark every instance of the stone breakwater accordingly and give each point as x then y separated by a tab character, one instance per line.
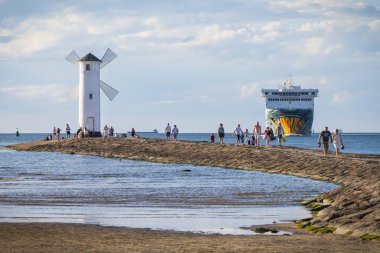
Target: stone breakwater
352	209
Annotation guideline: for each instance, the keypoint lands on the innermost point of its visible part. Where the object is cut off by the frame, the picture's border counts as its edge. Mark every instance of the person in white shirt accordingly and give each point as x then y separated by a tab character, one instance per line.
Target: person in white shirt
338	143
168	130
105	131
238	132
175	132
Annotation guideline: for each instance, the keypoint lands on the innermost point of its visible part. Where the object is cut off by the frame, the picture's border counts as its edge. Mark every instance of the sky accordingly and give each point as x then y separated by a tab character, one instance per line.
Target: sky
191	63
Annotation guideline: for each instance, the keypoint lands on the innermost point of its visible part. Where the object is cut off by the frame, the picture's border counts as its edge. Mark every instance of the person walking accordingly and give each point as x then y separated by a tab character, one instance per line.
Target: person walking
221	133
257	133
168	130
267	136
325	135
175	132
238	132
280	132
68	133
338	143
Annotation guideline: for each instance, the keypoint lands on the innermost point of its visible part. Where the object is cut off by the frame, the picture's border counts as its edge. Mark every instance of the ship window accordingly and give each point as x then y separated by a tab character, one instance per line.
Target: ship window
90	96
87	67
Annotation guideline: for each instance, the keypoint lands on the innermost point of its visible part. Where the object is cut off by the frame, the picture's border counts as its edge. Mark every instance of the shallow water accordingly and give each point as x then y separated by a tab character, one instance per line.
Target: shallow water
53	187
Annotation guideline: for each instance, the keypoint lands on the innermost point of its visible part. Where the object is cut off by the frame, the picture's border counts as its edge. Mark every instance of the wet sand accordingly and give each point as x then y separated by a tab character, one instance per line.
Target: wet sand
353	210
90	238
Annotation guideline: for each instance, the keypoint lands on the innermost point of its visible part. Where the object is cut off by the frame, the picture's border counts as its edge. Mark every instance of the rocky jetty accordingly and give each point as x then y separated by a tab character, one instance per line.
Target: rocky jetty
352	209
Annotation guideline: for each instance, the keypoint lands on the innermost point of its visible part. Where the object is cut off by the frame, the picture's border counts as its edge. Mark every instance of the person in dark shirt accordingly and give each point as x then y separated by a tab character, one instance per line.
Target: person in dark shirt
325	135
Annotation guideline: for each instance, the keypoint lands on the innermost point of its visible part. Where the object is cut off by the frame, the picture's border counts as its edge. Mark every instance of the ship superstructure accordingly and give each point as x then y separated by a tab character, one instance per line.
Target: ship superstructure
291	106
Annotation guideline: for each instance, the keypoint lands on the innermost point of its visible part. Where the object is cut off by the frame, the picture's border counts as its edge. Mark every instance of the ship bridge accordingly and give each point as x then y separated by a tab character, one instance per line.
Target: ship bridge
290	98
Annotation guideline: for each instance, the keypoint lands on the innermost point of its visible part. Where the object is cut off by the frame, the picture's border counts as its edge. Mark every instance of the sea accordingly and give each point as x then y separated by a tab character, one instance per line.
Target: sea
54	187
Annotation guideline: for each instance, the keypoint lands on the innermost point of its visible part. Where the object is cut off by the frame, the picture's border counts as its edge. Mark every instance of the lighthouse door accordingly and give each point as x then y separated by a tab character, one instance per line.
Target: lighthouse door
90	124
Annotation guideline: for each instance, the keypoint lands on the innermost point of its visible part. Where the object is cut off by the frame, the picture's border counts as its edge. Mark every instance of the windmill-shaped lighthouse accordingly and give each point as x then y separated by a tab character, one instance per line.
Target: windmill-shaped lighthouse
89	88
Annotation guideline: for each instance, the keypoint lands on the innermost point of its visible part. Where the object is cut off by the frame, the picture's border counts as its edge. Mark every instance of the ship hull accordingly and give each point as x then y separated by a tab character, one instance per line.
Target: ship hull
297	122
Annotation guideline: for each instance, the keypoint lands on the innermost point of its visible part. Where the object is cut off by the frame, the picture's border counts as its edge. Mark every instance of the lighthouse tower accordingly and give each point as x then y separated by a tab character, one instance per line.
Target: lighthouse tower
89	93
89	89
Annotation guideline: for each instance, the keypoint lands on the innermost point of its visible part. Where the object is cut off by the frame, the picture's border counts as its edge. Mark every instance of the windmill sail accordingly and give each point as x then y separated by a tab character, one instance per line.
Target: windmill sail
108	56
72	57
108	90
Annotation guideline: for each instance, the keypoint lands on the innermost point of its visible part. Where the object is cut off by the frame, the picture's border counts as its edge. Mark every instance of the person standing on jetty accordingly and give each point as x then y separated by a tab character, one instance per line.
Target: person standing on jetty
68	131
221	133
338	143
54	132
257	133
280	132
238	132
212	138
105	131
175	132
168	130
325	135
246	135
133	132
58	133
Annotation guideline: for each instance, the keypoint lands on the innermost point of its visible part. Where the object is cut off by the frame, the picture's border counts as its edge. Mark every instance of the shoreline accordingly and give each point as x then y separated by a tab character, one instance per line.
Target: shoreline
352	210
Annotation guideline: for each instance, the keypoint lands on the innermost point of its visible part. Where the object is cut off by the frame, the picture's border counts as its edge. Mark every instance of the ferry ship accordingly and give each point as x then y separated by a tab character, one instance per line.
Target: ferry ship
291	106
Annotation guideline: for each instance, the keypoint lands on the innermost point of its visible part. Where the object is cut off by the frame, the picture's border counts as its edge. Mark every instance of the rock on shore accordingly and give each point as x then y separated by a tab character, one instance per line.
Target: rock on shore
353	209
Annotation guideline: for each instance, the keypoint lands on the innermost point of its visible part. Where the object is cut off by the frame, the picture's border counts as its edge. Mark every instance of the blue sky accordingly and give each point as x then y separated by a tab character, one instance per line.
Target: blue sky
190	63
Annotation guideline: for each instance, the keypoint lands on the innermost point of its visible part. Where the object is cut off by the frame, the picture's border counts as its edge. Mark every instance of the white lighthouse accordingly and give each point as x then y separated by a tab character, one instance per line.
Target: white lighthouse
89	89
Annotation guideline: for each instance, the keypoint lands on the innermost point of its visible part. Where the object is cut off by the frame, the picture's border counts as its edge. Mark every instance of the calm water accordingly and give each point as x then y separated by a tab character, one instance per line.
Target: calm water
53	187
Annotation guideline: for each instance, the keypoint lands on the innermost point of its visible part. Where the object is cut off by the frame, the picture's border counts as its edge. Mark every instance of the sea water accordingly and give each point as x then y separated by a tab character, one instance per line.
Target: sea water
54	187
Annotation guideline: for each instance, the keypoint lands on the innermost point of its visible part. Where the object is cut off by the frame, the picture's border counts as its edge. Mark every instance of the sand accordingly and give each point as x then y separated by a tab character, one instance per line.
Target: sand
351	212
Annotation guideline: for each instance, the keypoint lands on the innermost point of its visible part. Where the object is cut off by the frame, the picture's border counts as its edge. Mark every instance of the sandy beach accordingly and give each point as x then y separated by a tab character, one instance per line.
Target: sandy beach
345	216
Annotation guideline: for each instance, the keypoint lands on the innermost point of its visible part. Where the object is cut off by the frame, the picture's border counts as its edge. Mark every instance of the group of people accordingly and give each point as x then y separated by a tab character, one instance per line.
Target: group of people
325	136
243	137
169	131
108	131
57	133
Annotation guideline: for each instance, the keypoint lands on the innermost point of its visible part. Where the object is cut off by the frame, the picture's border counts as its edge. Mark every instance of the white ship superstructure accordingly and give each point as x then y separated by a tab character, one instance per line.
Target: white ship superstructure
291	106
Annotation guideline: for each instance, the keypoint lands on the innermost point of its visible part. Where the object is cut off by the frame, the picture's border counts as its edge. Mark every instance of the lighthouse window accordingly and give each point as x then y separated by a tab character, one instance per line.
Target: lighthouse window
87	67
90	95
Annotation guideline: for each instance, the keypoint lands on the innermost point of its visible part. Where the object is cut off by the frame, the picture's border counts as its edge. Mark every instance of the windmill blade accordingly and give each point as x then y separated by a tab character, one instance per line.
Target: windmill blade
108	90
72	57
108	56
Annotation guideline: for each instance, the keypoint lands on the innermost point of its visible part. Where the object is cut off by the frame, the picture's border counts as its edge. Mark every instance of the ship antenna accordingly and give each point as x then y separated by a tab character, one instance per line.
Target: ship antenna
290	81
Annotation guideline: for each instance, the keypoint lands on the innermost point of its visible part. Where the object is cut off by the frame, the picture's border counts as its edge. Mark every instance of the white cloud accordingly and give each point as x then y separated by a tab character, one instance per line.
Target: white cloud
341	97
272	26
312	26
55	92
248	90
375	25
152	21
318	46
